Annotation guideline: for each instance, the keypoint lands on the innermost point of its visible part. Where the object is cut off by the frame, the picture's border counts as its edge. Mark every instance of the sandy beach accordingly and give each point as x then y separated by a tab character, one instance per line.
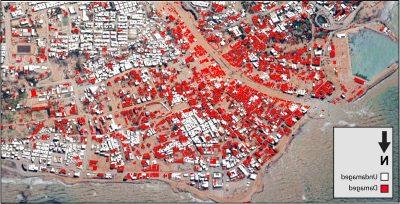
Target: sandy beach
305	173
300	171
331	115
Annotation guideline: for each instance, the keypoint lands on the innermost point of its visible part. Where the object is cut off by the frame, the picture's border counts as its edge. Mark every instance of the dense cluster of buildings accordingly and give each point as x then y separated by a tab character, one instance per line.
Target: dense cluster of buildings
133	38
47	155
141	98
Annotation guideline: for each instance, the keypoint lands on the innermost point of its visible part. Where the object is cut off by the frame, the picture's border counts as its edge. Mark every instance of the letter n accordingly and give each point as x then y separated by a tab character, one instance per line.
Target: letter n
384	160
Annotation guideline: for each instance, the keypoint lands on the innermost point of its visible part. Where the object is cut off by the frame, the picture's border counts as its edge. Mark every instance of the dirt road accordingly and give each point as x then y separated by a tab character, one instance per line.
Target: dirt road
232	73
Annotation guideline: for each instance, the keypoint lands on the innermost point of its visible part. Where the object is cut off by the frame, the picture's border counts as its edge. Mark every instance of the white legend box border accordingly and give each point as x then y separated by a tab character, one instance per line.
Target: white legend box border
379	176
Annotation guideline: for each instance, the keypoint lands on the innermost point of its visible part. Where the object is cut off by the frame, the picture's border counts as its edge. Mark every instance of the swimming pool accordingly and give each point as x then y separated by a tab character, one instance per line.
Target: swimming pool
371	53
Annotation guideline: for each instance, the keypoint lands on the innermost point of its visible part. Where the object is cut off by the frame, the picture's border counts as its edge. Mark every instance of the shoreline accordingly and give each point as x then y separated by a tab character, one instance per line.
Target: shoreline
383	75
372	26
338	116
176	186
236	191
380	78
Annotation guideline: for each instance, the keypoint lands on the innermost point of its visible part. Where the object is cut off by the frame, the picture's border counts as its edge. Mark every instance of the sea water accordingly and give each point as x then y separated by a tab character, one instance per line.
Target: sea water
37	190
305	171
371	52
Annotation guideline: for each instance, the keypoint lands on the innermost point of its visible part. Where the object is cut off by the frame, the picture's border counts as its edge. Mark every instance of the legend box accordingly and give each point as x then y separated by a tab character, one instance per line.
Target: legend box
362	160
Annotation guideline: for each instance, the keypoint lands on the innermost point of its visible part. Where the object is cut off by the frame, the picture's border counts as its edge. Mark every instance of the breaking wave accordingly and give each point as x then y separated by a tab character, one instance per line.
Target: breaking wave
31	181
345	123
326	125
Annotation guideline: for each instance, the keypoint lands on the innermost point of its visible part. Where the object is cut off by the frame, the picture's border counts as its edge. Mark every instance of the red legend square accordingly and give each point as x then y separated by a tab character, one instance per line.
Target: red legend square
384	188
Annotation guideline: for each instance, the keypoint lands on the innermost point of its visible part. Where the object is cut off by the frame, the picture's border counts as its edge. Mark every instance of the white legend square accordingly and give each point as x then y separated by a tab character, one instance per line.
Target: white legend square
384	176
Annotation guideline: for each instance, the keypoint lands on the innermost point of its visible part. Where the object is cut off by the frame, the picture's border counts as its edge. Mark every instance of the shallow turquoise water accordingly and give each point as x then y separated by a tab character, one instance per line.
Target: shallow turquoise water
305	172
371	53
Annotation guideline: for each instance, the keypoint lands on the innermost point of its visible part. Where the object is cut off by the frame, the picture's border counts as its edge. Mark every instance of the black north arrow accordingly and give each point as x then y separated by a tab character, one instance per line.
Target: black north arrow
384	144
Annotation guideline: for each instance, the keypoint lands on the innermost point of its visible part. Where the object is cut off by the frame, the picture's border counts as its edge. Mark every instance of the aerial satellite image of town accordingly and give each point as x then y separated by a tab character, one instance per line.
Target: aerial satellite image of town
199	101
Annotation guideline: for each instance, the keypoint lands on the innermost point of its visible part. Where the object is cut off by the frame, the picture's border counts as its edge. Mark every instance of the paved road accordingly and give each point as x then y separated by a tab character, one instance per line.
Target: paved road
232	72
